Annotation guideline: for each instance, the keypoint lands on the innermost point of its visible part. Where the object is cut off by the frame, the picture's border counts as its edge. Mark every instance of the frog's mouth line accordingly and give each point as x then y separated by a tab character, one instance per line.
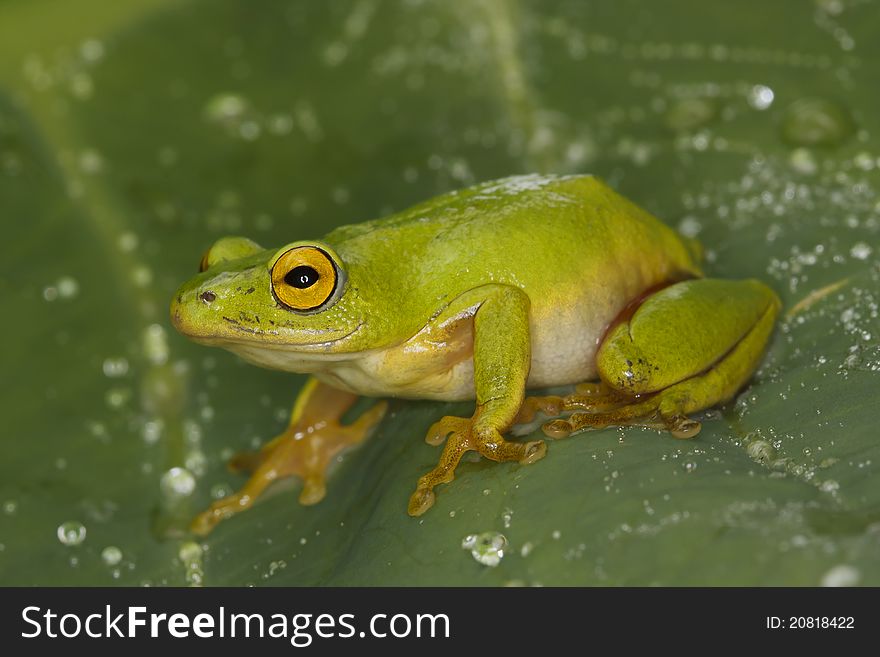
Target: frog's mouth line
245	335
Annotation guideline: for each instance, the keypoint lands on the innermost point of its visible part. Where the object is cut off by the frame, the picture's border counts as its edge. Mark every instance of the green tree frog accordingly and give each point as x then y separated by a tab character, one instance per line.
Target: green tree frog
478	294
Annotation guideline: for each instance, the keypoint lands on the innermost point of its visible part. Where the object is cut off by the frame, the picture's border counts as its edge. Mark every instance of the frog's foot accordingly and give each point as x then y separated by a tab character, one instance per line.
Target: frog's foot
592	397
305	449
659	411
463	436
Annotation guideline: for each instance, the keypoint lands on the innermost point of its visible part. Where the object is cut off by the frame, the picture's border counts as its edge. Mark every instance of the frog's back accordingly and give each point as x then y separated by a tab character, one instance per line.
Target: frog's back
569	224
579	250
483	205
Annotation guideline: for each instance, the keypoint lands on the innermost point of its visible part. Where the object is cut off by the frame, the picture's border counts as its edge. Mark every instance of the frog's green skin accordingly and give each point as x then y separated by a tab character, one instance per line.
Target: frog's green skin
569	250
524	277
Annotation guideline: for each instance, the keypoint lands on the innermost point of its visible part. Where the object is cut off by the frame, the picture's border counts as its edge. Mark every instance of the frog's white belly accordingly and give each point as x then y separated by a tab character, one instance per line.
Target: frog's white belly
563	352
438	364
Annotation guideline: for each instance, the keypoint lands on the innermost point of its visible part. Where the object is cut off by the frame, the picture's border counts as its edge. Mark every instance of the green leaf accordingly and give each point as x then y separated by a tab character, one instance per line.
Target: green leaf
134	134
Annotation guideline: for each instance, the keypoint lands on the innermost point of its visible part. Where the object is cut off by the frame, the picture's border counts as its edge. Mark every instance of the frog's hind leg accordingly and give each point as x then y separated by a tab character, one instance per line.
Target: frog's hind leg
689	347
639	411
587	396
306	448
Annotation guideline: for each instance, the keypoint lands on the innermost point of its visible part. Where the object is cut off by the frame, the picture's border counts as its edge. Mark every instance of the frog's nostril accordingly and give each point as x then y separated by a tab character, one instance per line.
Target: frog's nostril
207	296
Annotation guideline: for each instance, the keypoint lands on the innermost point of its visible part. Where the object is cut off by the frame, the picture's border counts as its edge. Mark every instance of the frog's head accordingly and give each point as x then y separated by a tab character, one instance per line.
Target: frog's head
285	309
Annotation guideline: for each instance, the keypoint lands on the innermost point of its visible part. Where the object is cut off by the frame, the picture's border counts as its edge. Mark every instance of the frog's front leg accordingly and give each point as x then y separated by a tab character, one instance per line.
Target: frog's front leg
688	347
313	438
502	355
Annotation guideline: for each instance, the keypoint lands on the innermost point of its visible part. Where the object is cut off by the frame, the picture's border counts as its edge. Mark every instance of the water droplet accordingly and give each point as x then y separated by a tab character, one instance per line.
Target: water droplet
690	113
760	97
829	486
90	161
10	507
167	156
761	451
280	124
803	161
690	227
219	491
841	575
487	548
155	344
864	161
142	276
68	287
249	130
334	53
152	431
92	50
111	555
81	86
227	109
861	251
117	397
127	242
190	553
115	368
816	122
71	532
274	567
177	482
196	461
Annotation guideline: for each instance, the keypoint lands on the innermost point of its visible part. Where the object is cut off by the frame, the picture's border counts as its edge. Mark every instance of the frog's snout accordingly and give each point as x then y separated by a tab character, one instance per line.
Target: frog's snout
176	314
183	305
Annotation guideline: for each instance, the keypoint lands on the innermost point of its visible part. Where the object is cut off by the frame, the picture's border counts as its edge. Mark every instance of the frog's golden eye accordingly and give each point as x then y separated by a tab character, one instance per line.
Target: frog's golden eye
305	278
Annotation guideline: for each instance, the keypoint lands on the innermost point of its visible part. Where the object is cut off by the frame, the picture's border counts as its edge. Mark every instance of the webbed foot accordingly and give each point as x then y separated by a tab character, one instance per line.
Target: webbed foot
463	435
305	449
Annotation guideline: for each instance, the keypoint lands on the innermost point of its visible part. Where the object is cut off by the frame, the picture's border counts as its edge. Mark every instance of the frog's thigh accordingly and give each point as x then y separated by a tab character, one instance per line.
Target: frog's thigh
689	347
686	329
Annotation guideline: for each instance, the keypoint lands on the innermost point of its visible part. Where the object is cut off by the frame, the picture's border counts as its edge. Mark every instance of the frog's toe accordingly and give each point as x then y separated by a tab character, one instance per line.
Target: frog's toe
550	406
557	429
203	523
445	427
313	491
420	501
245	462
534	451
681	426
248	461
491	444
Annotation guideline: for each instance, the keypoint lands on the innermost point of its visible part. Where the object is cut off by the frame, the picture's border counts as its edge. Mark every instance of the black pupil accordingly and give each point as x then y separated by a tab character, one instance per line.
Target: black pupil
302	277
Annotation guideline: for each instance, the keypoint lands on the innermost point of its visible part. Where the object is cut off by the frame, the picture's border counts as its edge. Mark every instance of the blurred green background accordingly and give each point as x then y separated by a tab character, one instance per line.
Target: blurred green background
133	134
